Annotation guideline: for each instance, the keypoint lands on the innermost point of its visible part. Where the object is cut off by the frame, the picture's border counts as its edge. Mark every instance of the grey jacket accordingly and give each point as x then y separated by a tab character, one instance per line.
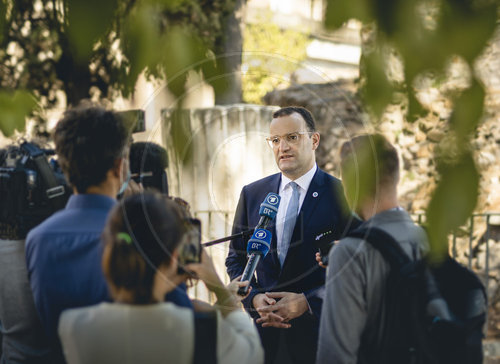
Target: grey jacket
355	287
23	336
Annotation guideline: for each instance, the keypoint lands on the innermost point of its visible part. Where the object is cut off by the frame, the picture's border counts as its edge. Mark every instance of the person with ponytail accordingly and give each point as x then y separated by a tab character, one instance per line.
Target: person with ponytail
141	240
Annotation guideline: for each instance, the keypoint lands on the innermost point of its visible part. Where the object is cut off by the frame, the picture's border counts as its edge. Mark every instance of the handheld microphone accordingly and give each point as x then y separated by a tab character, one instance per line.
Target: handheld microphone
260	242
257	248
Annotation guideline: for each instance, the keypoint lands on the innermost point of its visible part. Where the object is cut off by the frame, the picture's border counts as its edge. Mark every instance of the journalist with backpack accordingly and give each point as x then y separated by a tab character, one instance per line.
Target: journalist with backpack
384	303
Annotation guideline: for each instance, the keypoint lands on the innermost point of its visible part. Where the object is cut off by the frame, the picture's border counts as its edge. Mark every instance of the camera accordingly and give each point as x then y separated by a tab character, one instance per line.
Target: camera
190	249
31	189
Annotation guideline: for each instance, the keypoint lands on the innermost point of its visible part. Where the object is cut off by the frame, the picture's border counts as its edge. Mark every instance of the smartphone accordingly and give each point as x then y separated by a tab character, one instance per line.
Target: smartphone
190	249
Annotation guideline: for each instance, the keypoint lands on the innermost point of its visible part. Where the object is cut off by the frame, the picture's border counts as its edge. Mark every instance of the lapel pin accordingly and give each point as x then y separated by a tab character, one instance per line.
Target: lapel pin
315	194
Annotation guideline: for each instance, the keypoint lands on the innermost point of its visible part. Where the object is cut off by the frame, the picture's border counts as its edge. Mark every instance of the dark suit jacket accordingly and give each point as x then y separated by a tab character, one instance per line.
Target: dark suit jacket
324	209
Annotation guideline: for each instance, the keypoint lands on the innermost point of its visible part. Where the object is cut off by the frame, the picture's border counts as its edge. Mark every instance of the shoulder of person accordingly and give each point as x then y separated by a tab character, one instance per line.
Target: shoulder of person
327	177
84	311
53	221
349	245
71	319
262	182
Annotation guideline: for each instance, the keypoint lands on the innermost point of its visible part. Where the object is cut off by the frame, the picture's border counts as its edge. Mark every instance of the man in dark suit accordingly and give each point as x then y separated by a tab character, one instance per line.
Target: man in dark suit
286	295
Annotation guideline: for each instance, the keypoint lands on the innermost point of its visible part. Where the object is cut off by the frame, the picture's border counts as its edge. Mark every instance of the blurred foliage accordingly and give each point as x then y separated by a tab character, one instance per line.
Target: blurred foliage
68	50
426	35
270	55
14	106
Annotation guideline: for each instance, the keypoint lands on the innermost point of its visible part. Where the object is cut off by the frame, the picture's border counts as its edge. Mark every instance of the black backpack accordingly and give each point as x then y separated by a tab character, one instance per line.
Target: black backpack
432	314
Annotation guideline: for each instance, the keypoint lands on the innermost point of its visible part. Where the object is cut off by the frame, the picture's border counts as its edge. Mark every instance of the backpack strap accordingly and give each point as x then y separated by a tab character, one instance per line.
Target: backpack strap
205	338
384	243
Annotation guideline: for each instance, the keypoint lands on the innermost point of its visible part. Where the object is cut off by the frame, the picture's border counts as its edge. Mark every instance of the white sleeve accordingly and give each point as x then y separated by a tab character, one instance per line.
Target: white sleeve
66	335
238	340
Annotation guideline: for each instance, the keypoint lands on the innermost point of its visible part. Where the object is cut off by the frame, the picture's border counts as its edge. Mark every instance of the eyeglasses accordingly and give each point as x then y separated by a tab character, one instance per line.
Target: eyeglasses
290	138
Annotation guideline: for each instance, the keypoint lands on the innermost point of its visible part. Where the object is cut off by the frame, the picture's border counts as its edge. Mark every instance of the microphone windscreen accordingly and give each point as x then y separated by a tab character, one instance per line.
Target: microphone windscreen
260	242
269	207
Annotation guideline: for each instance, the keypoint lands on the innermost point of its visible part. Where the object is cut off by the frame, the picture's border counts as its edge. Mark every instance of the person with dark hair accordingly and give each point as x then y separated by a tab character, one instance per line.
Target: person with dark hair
306	115
141	263
287	292
63	253
147	165
352	319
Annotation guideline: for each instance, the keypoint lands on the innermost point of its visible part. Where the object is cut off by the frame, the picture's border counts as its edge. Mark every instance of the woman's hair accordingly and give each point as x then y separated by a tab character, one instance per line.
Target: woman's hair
141	234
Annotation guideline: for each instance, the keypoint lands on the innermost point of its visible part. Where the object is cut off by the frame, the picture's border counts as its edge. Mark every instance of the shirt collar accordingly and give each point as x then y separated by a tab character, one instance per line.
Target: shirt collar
303	181
88	200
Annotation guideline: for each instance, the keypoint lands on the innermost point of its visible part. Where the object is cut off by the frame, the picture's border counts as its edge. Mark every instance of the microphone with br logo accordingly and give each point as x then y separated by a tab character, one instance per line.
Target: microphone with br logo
259	244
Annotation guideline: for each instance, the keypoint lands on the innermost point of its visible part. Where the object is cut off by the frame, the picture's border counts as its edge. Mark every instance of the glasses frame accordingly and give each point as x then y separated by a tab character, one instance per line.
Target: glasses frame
270	139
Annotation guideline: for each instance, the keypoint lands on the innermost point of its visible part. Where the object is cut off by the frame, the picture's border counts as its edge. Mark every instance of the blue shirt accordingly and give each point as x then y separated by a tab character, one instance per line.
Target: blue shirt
63	257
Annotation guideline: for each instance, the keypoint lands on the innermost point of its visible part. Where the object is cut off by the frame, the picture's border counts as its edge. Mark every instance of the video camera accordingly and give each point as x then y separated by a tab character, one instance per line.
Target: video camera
31	189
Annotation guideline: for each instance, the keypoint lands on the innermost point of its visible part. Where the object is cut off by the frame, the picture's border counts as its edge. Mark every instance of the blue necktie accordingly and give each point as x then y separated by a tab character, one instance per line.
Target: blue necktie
290	218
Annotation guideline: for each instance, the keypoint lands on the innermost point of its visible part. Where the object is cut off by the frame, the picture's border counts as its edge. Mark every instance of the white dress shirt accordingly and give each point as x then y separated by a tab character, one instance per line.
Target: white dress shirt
285	192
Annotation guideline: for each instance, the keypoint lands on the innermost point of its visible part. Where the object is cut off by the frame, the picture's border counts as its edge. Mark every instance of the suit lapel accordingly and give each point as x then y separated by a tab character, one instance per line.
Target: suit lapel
274	187
313	194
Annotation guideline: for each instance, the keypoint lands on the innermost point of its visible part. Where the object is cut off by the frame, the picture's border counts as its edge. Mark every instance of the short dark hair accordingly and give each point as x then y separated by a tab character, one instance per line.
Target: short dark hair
89	140
302	111
368	161
150	157
155	228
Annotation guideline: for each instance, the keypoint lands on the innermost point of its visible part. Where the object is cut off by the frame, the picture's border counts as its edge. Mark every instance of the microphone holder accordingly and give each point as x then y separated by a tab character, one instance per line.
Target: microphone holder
243	235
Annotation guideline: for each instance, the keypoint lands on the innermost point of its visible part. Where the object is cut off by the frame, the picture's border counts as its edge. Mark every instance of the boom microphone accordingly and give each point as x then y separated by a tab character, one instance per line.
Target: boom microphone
259	244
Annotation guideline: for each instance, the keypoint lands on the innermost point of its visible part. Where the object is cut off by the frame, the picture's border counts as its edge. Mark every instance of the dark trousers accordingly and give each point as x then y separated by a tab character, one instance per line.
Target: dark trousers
297	344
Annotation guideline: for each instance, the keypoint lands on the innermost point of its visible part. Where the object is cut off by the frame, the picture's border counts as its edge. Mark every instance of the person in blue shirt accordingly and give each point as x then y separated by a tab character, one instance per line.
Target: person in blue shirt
63	254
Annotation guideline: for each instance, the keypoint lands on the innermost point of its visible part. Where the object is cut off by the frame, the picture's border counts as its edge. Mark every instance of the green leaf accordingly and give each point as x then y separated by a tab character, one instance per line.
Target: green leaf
377	90
420	47
453	201
141	42
88	21
180	134
468	110
415	109
216	73
15	108
464	29
338	12
387	12
3	15
183	52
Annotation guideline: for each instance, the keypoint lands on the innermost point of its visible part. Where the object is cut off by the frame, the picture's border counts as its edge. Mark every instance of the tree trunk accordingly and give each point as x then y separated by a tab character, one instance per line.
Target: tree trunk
229	48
